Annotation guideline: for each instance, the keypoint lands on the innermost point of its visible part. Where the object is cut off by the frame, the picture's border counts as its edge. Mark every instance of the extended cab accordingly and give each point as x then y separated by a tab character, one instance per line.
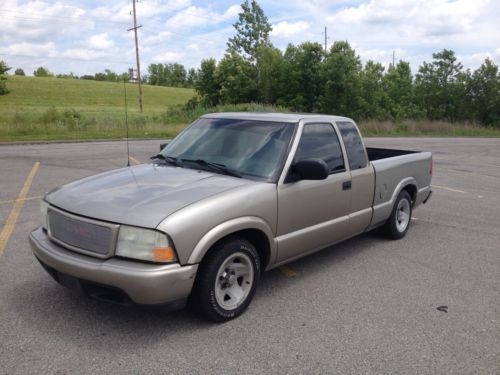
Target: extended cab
233	195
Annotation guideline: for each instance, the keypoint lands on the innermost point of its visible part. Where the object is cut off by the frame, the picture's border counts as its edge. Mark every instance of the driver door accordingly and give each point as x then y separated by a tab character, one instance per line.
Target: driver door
314	214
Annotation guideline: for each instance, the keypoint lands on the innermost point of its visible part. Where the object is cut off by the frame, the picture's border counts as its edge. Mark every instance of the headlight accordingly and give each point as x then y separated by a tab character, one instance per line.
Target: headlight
44	208
145	244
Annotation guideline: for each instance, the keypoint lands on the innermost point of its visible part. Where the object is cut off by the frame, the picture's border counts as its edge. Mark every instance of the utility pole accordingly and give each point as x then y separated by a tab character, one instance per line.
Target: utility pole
393	58
137	55
326	39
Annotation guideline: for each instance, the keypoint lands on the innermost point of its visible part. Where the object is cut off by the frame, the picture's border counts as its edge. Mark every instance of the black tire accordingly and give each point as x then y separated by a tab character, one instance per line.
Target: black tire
204	298
392	227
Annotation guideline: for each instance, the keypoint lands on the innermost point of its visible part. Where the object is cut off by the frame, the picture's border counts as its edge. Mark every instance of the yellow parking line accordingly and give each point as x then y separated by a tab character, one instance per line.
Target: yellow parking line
134	160
25	199
447	188
287	271
8	228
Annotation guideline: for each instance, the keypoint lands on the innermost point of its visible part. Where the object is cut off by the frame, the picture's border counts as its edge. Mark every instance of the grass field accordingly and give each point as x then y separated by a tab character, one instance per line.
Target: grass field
56	108
59	109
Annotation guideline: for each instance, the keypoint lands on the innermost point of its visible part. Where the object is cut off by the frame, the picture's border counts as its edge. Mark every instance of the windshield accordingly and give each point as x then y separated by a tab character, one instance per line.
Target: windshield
251	148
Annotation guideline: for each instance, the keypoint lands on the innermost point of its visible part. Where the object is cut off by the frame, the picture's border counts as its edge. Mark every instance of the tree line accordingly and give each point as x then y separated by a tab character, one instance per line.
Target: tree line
305	78
172	74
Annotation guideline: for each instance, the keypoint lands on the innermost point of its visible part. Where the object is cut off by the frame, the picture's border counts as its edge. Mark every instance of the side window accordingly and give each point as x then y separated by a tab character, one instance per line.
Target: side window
319	141
353	145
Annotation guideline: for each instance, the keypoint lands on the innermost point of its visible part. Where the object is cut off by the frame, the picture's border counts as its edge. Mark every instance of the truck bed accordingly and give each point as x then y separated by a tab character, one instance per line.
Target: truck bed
384	153
394	168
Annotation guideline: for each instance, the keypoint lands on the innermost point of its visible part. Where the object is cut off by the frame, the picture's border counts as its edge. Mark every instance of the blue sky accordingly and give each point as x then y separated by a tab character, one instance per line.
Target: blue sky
87	36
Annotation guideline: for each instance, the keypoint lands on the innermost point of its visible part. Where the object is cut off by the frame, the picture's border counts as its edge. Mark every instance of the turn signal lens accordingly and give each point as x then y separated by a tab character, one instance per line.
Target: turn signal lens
163	254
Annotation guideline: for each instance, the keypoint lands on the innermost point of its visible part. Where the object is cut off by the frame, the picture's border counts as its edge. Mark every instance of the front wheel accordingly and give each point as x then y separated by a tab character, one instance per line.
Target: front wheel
398	223
227	280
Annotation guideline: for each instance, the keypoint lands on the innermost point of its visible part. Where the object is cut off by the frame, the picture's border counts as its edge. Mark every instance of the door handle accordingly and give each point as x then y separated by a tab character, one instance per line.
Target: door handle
346	185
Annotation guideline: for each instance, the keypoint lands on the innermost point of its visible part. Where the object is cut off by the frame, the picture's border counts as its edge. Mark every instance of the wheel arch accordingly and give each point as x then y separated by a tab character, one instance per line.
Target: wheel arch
409	184
253	229
411	188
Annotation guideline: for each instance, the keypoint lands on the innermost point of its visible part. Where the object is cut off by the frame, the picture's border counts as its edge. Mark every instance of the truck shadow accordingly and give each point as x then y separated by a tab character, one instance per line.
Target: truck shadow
60	314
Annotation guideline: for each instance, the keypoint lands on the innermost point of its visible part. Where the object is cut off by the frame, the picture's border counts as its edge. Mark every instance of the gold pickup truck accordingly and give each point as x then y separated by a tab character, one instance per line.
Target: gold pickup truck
231	196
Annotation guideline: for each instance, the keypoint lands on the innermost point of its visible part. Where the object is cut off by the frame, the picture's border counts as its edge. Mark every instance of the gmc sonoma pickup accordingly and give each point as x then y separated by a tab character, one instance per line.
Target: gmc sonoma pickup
232	195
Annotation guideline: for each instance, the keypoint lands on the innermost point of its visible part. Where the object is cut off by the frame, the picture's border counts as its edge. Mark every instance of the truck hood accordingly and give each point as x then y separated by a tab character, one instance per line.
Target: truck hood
142	195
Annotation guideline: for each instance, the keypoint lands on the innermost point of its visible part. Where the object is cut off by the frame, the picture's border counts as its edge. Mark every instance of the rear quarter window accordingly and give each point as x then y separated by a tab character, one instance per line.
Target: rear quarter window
353	145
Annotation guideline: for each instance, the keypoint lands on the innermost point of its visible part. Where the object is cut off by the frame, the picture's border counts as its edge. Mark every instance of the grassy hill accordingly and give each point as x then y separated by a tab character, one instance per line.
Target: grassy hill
55	108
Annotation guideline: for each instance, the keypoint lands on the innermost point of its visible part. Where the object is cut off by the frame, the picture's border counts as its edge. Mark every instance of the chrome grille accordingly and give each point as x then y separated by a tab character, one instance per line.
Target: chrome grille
81	234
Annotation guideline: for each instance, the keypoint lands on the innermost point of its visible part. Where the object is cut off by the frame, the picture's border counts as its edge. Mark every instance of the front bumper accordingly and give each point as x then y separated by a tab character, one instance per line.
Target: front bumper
141	283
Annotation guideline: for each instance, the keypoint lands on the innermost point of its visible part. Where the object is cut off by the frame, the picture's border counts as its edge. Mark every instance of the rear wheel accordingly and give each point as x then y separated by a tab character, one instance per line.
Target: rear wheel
398	223
227	279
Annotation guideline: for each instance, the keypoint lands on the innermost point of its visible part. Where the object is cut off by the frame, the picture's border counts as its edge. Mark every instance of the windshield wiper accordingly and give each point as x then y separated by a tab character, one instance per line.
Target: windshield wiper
216	167
169	159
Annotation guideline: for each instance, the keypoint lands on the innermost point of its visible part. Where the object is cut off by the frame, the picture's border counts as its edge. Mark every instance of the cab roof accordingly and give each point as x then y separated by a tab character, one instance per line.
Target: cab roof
277	117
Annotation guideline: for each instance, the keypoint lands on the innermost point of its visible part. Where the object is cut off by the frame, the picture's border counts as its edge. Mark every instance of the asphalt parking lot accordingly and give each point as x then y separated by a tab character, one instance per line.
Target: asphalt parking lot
368	305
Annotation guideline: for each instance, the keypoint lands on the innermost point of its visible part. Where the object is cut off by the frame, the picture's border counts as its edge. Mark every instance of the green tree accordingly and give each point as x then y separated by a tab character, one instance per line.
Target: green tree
341	76
308	62
270	66
177	75
237	77
300	83
440	87
19	72
207	84
373	99
100	76
252	31
153	74
398	85
67	76
4	68
42	72
289	93
191	77
484	93
167	75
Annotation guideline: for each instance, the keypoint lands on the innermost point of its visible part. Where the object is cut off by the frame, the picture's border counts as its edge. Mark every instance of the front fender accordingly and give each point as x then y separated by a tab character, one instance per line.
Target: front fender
231	226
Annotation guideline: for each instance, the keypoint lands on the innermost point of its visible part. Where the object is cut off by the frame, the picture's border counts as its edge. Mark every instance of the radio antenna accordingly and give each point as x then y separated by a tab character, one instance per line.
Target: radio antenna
126	119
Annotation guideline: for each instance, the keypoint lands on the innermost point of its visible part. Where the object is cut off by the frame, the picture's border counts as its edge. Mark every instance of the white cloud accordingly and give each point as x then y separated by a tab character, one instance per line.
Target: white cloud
194	16
121	10
285	29
37	20
166	57
100	42
30	49
424	20
474	60
157	38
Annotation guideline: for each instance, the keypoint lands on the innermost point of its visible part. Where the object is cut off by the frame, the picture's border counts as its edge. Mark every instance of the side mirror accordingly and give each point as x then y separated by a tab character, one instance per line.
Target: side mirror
309	169
163	145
